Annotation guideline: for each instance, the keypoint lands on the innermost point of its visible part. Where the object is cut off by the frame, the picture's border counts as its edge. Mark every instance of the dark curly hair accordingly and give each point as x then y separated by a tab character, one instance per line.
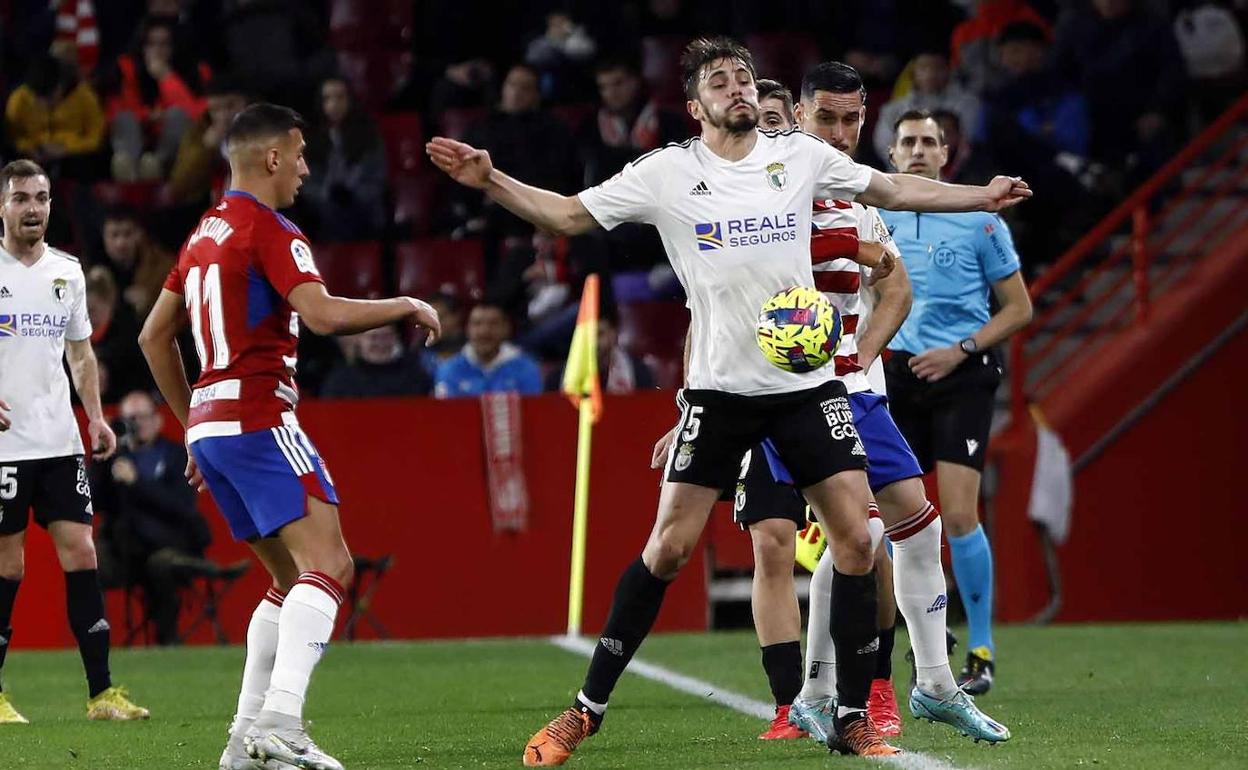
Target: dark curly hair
708	50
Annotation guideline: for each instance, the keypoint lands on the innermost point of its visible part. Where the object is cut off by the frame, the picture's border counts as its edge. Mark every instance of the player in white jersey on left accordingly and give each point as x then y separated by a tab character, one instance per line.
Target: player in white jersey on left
43	322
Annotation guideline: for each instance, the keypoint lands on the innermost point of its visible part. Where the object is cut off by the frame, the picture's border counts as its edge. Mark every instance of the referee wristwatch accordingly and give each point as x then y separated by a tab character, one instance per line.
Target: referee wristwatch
968	346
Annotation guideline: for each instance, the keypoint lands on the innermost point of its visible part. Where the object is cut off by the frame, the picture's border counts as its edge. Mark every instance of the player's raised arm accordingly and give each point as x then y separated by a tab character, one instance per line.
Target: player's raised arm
908	192
471	167
159	342
326	314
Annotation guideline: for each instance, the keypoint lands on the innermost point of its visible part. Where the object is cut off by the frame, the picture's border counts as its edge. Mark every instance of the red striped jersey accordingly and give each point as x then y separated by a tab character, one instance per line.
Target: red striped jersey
837	226
234	273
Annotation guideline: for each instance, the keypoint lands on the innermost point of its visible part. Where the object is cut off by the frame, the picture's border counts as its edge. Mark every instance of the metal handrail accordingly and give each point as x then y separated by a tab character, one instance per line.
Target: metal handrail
1138	213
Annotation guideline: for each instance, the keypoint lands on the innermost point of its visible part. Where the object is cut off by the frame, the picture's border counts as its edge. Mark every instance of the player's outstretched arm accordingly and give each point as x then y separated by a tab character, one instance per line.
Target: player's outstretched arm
909	192
159	341
326	314
559	214
85	371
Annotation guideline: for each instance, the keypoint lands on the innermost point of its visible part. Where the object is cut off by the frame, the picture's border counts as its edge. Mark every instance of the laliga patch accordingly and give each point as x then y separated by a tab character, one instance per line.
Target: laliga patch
302	254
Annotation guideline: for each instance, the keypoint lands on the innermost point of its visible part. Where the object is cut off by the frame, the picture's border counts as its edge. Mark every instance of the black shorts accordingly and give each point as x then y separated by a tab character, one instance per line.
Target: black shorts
757	496
56	488
812	431
948	420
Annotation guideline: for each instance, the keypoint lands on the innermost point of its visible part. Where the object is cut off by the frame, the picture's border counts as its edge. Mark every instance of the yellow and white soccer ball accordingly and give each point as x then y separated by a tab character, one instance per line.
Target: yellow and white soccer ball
798	329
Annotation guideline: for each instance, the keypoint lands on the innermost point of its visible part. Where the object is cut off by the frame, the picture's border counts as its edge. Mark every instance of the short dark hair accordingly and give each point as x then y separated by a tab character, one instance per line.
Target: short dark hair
774	89
708	50
834	77
919	115
20	169
263	120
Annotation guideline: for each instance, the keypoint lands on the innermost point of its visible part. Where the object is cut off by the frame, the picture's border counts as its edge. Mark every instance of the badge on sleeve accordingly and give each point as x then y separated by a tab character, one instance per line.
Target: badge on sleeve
302	254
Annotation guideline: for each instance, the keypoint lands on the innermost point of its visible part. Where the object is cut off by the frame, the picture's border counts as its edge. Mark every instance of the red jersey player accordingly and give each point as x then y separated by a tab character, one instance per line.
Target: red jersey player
244	279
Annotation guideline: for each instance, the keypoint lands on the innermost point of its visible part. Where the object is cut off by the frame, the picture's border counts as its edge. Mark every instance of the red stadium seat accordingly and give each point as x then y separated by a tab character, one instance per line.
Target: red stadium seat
456	121
783	56
655	331
428	266
374	75
358	25
405	142
351	269
413	204
660	67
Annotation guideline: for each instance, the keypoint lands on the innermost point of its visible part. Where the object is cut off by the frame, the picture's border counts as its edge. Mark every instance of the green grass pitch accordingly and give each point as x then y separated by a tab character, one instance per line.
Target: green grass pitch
1121	696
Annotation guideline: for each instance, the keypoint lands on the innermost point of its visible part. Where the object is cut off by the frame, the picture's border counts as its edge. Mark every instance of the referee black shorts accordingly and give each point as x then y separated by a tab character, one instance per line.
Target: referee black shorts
811	430
948	420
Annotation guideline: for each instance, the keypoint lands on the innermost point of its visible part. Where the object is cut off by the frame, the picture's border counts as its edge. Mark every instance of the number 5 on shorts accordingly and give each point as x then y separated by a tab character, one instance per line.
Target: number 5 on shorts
8	482
692	425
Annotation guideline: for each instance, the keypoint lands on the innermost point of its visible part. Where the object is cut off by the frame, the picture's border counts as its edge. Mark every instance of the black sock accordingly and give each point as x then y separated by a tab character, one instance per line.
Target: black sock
783	664
884	657
638	597
86	619
8	593
855	636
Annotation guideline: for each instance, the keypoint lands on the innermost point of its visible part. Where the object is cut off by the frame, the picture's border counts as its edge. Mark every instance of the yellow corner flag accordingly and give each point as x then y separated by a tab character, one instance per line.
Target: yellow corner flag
580	384
580	376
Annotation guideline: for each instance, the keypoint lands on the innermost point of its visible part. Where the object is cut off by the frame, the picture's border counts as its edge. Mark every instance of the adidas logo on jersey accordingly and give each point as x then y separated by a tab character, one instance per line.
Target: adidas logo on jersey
5	293
700	189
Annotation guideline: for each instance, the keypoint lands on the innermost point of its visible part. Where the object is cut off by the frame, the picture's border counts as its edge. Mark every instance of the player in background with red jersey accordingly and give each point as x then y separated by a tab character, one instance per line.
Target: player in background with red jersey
244	280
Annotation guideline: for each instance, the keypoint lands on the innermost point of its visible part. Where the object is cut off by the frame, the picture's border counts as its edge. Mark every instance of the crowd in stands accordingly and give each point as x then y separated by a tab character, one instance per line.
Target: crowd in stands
127	103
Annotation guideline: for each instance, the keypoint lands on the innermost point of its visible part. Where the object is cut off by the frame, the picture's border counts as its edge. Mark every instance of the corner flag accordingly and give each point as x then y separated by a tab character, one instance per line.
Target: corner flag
580	376
580	384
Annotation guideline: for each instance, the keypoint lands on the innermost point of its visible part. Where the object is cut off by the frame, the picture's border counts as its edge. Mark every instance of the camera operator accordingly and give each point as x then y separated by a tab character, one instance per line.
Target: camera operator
153	535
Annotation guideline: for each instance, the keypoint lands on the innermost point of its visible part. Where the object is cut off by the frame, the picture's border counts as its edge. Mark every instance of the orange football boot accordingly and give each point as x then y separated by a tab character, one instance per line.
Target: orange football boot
555	742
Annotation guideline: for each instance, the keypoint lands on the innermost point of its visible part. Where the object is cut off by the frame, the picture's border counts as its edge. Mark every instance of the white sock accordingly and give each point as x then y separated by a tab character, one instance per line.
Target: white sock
919	582
261	649
306	623
597	708
820	652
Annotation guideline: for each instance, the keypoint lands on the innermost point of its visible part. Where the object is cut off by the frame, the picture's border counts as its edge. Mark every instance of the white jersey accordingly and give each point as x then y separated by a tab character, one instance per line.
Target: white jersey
736	233
844	282
41	306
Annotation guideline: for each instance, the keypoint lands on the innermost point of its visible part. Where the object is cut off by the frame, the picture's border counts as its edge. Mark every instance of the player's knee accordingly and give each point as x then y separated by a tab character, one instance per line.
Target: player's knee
666	553
12	563
958	523
853	553
77	556
773	554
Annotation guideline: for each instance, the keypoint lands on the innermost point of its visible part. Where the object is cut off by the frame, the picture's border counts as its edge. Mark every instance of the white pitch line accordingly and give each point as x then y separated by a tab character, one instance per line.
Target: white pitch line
685	684
579	645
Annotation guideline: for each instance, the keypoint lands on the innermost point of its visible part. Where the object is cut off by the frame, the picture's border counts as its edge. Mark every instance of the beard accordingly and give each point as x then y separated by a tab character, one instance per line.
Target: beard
735	122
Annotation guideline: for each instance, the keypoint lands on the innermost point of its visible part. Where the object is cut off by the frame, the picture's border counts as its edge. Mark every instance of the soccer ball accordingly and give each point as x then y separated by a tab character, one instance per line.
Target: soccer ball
798	329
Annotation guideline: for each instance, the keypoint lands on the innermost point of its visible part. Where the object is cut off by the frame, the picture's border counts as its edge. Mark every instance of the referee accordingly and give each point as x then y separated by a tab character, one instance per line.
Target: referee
943	374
